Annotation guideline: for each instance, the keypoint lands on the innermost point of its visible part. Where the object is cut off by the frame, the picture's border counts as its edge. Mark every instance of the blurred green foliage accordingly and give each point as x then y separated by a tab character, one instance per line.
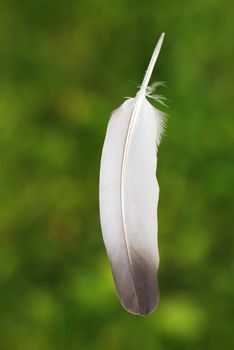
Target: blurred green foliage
65	65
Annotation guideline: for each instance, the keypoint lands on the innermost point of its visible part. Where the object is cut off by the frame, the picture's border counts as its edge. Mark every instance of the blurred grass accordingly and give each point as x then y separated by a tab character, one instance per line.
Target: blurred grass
64	66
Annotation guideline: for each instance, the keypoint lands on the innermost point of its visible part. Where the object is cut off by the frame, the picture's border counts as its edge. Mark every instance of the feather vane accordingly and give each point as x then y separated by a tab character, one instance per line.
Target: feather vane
129	195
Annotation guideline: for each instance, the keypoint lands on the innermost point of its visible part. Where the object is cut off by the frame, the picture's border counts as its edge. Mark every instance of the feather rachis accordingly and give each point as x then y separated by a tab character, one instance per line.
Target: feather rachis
128	137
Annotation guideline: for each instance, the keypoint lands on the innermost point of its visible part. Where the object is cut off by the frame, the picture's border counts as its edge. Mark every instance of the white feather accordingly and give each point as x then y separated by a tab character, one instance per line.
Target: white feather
129	196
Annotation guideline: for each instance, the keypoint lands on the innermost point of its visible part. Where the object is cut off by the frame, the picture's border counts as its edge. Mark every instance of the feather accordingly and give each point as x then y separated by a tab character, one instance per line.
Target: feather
129	195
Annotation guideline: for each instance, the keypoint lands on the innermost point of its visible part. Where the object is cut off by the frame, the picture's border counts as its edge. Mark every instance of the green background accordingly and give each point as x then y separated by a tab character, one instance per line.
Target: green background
64	66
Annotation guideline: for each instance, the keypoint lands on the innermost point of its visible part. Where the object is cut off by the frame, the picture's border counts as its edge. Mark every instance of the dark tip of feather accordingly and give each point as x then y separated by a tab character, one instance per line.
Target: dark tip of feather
146	296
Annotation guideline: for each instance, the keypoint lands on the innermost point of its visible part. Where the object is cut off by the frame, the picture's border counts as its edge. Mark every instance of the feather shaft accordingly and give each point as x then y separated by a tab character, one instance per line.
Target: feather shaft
153	60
